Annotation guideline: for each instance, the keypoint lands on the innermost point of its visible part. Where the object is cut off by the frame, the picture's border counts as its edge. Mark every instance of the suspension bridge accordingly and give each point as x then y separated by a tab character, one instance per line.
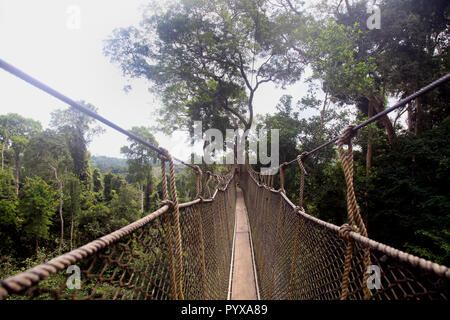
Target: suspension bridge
240	238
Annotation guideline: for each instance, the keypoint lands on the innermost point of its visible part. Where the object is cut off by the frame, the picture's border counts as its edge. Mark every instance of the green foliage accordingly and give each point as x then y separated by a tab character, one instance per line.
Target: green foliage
200	57
101	219
97	180
107	181
408	194
140	160
9	220
36	206
109	164
79	130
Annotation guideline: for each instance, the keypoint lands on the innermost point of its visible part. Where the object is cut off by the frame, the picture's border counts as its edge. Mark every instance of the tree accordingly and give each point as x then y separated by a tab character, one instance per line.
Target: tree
287	121
97	180
36	206
73	203
79	130
8	210
206	59
107	190
140	161
16	132
48	156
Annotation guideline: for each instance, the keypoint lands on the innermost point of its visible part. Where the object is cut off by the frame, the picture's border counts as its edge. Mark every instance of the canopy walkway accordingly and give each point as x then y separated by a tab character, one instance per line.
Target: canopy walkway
244	240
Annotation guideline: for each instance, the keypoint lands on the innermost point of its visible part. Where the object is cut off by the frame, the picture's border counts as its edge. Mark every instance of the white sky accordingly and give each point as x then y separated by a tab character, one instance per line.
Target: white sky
35	38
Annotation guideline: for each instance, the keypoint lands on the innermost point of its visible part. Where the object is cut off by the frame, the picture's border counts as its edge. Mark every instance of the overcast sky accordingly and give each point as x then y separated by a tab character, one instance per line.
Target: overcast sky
38	37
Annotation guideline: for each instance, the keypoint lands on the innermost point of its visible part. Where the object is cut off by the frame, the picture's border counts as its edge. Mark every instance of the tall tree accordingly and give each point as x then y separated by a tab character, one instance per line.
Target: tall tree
37	205
48	156
140	161
79	129
207	59
9	219
97	180
16	132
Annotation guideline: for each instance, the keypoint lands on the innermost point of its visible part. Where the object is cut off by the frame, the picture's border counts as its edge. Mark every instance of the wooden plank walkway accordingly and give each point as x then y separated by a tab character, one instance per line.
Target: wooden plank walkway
243	283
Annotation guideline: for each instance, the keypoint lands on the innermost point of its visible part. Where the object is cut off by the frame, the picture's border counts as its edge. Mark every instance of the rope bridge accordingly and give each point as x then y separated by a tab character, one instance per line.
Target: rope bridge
184	251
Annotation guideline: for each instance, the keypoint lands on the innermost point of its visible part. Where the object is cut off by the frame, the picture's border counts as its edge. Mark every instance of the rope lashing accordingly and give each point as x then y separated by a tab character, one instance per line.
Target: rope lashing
168	224
302	177
198	185
355	221
297	211
282	177
208	179
198	181
176	221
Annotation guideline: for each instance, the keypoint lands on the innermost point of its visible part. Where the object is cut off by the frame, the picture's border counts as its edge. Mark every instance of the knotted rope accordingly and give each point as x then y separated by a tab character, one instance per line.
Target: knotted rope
355	221
168	223
297	210
282	177
208	179
176	220
302	178
198	181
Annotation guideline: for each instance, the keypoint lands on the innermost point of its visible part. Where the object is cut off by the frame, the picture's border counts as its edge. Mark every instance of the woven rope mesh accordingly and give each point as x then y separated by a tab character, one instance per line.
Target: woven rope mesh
300	258
297	257
138	265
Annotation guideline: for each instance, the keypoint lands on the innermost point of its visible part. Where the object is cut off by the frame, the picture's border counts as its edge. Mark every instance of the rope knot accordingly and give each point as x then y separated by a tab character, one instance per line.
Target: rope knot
300	156
347	135
167	203
198	170
164	155
345	229
297	209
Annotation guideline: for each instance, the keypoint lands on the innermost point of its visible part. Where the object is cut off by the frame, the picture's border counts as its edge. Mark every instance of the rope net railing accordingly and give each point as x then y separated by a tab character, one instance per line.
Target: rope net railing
140	260
300	257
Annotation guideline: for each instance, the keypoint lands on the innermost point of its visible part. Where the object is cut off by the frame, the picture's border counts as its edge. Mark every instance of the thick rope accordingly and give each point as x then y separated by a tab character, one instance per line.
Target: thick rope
208	179
198	185
198	181
176	218
168	228
302	178
355	221
297	209
282	177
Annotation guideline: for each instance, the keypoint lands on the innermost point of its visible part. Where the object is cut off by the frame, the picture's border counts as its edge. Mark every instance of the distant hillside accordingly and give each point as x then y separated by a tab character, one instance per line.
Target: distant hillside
109	164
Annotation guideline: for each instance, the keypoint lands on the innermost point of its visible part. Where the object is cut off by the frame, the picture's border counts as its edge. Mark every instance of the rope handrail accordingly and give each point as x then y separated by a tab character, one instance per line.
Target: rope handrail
40	85
414	261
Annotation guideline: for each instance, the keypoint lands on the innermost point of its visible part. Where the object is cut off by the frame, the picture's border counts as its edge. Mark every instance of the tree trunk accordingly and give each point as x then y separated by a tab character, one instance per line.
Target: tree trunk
141	189
16	180
61	196
3	151
369	143
71	232
410	125
419	117
378	106
148	190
